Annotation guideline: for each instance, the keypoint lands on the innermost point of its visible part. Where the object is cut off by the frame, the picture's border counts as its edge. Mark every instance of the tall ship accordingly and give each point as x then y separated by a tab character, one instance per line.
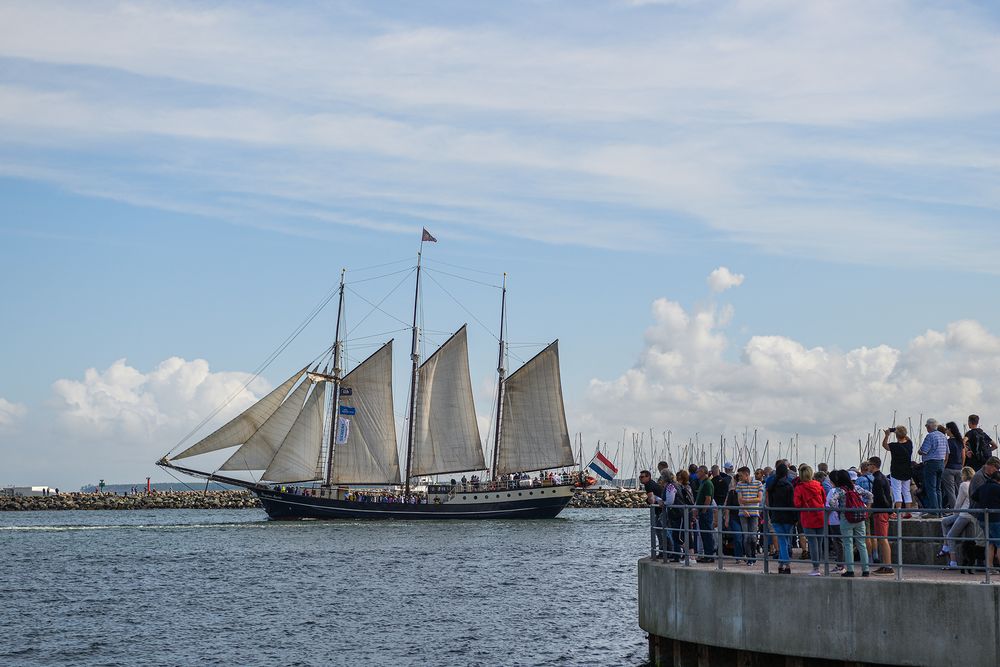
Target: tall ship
323	444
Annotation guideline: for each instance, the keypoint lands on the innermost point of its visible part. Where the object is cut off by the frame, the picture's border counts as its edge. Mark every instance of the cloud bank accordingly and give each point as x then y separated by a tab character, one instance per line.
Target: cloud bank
149	412
11	413
690	378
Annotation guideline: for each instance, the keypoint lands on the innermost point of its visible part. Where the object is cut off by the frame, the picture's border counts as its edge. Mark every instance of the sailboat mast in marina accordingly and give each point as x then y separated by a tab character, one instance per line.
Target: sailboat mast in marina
323	443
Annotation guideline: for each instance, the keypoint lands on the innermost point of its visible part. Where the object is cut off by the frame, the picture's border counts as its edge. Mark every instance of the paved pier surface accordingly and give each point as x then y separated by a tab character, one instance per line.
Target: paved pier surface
700	615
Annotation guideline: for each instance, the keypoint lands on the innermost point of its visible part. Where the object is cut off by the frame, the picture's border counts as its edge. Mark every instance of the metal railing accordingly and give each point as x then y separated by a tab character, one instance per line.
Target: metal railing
676	527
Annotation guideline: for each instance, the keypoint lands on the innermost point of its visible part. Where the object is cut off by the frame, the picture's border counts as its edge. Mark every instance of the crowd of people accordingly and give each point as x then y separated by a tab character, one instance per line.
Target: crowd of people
836	516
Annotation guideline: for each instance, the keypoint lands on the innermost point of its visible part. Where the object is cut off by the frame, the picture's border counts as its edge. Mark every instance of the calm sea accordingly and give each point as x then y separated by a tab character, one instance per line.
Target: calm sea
173	587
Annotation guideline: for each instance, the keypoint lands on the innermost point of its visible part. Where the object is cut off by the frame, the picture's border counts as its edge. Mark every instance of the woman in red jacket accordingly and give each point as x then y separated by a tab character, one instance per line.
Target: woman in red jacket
809	494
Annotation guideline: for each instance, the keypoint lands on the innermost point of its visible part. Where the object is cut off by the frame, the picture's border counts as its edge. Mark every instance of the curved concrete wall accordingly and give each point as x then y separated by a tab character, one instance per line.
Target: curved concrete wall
851	620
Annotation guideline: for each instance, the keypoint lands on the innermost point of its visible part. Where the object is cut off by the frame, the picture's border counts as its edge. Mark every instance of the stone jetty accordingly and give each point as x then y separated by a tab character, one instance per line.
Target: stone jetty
610	498
189	500
591	498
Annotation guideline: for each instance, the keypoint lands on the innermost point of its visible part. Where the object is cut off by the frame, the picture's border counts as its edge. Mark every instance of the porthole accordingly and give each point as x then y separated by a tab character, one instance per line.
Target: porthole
465	497
531	493
508	495
519	493
498	495
475	497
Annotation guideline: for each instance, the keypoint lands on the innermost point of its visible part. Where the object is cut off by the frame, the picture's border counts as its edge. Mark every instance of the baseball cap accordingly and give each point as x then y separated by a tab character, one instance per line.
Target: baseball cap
728	466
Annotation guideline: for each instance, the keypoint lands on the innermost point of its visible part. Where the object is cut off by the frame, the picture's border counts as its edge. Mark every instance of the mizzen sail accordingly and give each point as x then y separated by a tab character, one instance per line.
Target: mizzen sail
446	437
534	435
298	459
239	429
369	456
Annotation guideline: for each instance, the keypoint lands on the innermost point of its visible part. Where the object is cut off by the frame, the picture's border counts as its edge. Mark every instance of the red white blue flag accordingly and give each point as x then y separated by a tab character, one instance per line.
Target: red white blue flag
427	237
603	467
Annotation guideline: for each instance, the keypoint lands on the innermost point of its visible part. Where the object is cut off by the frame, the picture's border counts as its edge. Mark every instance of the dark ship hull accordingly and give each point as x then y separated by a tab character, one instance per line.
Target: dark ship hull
543	503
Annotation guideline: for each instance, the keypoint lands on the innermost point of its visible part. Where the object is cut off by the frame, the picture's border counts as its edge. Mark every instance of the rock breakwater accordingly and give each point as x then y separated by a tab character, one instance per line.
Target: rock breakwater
589	499
615	498
189	500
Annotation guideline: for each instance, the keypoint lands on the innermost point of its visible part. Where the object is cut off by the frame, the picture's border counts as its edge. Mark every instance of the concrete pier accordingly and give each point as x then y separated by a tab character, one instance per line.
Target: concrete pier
701	616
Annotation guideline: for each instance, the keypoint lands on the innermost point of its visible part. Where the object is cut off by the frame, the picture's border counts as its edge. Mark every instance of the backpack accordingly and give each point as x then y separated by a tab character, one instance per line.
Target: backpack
855	510
979	447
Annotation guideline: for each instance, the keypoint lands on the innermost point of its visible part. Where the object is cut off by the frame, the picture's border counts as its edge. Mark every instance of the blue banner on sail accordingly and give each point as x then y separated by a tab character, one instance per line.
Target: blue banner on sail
346	391
347	410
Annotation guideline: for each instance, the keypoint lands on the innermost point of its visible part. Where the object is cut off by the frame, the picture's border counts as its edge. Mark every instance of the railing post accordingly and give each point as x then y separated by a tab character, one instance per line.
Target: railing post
652	532
825	549
899	546
988	563
766	550
687	536
719	552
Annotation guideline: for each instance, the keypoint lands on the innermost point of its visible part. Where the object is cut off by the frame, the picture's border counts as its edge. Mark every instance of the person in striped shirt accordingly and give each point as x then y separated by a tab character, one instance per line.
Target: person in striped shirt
751	496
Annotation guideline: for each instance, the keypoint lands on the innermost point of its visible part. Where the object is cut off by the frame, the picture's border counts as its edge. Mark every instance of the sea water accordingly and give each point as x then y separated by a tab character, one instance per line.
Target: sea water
229	587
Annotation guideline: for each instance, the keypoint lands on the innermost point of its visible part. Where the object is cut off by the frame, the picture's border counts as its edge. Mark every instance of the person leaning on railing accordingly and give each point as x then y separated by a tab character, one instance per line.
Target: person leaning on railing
809	494
986	497
781	497
750	494
679	531
852	503
881	509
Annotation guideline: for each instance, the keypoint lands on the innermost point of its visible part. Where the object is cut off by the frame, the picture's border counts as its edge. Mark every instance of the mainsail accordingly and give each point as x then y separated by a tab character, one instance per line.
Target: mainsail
369	455
446	438
244	425
299	456
260	448
534	434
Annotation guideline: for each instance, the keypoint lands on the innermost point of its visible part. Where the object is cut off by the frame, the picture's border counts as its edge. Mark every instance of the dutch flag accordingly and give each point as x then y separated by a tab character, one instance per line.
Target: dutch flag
603	467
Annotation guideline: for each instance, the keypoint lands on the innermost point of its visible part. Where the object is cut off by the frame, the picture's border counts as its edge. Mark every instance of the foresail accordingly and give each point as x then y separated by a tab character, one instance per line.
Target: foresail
446	438
239	429
369	456
534	434
298	457
260	449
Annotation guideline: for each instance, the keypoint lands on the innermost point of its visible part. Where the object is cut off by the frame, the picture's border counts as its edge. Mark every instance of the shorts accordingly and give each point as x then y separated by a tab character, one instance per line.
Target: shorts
880	524
900	490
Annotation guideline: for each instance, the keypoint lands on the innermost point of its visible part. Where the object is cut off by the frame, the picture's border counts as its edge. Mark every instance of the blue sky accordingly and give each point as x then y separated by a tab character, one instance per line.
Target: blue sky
184	180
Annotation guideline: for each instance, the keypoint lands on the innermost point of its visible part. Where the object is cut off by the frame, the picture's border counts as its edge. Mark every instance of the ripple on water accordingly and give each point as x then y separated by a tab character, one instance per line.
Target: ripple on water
178	587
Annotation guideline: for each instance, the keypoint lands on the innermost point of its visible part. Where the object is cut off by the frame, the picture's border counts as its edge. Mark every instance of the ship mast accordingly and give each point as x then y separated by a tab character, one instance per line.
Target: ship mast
337	371
415	358
501	372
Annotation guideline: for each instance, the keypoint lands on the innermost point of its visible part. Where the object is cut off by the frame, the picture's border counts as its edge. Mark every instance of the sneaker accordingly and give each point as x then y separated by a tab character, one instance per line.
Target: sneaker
784	570
885	570
907	516
865	573
815	573
941	554
839	568
847	574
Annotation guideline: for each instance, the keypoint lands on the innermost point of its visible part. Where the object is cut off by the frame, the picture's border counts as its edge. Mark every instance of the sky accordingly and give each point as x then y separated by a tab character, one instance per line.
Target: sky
765	215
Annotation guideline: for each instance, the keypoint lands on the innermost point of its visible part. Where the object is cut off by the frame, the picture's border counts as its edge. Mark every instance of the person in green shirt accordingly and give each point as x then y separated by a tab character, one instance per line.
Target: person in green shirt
706	490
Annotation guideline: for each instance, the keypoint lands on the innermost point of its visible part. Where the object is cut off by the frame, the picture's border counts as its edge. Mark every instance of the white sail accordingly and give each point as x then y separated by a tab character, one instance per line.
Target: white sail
298	457
369	455
534	435
260	449
243	426
446	438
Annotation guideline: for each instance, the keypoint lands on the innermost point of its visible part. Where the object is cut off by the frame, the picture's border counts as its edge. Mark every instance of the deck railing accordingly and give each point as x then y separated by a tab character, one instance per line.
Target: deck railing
664	532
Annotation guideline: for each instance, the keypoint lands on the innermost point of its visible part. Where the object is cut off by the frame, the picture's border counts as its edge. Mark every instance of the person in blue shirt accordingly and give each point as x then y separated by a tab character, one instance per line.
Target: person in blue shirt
934	453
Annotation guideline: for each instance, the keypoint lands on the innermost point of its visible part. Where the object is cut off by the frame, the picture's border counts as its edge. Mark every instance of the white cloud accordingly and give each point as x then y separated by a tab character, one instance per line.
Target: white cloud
11	413
123	406
722	279
690	379
784	125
